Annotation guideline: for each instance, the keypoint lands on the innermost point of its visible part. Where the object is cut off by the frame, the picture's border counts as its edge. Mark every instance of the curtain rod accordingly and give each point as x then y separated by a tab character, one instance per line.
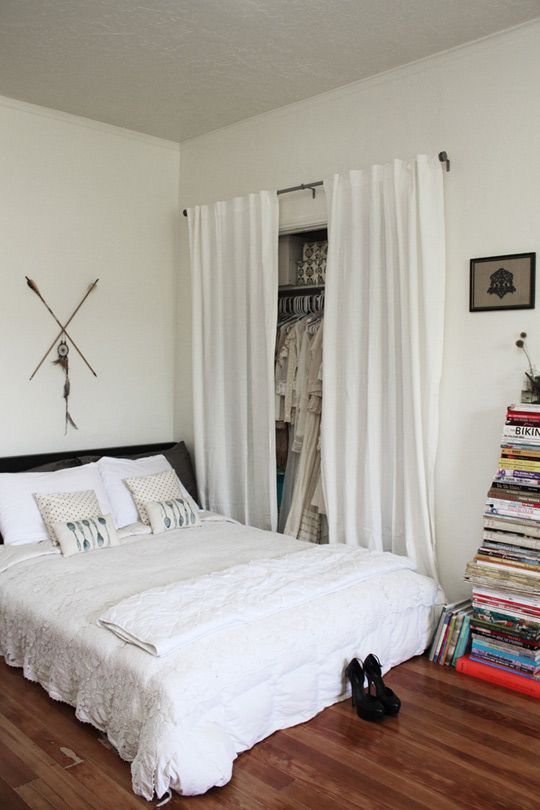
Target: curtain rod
443	157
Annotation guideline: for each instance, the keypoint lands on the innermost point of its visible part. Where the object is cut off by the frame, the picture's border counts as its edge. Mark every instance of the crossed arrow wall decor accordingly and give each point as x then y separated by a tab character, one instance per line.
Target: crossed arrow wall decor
63	348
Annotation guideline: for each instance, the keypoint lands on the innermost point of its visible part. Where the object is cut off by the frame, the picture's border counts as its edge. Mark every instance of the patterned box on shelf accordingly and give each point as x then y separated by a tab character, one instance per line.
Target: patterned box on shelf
315	250
312	270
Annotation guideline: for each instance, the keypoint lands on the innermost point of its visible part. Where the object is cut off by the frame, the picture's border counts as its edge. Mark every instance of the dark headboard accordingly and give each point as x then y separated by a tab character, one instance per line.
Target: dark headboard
22	463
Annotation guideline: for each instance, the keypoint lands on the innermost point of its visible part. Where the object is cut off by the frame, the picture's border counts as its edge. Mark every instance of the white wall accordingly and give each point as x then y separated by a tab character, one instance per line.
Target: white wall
81	200
482	104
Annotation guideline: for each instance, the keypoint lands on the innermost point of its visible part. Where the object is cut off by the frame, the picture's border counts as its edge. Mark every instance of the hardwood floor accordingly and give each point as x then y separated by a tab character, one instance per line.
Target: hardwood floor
458	743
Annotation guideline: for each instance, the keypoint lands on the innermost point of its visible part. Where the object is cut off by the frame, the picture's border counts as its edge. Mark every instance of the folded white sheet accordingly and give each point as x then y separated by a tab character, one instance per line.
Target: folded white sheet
136	529
14	555
17	554
162	620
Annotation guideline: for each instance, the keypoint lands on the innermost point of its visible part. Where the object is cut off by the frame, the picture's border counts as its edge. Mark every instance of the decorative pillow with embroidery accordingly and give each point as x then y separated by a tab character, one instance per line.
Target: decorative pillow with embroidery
164	486
59	507
88	534
174	513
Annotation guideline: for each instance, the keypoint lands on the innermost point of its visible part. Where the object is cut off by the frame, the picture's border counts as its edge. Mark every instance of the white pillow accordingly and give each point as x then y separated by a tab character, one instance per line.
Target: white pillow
113	473
59	507
88	534
20	519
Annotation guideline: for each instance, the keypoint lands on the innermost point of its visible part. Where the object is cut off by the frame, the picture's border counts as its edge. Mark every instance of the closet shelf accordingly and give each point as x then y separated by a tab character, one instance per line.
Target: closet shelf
288	289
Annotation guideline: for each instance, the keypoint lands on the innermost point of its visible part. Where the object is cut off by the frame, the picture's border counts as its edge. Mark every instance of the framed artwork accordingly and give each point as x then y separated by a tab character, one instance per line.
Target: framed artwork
502	282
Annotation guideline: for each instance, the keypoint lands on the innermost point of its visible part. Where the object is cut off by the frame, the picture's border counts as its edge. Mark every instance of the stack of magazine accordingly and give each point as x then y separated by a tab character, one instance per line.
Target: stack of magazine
452	636
505	572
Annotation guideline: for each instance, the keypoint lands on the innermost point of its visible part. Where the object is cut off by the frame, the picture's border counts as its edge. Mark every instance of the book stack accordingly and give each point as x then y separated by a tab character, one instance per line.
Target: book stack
505	573
451	639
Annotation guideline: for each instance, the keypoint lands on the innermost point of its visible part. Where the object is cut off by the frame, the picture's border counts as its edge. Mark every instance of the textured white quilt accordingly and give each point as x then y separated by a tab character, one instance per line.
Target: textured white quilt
161	620
181	720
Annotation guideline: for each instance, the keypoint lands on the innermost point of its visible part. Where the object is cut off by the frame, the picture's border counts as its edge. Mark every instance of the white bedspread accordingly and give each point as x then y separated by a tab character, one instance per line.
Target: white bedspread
182	719
161	620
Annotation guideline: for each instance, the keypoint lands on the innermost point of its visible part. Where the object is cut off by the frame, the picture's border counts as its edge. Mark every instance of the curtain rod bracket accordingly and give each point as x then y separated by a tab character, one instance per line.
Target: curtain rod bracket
305	187
302	187
443	157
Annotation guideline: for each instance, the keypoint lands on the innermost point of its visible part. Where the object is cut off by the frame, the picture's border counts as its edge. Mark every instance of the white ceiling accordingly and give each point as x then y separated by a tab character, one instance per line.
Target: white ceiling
178	68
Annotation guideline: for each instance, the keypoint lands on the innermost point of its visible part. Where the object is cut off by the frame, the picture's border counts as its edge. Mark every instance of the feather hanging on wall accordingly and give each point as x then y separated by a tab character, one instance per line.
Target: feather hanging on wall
62	349
63	361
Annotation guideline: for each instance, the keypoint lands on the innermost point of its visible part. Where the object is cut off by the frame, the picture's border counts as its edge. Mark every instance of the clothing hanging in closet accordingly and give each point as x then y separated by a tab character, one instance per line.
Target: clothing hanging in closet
298	414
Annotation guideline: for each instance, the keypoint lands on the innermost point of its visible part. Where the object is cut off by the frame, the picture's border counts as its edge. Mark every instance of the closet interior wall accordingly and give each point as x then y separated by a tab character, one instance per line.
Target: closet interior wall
298	368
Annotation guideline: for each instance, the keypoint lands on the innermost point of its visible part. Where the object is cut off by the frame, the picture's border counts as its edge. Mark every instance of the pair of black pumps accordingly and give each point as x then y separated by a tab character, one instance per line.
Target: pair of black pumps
378	699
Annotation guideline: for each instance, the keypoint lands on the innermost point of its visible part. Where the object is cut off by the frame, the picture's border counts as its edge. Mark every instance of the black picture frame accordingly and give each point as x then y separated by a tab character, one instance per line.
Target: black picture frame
502	282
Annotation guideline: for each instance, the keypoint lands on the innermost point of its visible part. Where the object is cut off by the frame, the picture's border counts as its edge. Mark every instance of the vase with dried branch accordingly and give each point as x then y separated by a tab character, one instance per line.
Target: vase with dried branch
531	393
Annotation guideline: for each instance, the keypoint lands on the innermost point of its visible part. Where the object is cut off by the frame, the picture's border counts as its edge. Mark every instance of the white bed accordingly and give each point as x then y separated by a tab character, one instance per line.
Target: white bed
182	719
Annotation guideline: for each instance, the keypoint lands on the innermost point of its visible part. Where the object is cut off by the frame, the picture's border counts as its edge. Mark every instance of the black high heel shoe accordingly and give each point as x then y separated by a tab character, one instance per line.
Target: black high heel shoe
367	706
388	698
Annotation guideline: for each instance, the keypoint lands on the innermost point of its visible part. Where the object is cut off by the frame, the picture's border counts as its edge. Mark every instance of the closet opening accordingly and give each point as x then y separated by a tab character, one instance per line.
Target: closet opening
298	384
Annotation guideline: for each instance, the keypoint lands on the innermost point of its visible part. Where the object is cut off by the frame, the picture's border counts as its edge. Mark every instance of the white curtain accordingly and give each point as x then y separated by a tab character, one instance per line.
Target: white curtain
234	255
382	356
